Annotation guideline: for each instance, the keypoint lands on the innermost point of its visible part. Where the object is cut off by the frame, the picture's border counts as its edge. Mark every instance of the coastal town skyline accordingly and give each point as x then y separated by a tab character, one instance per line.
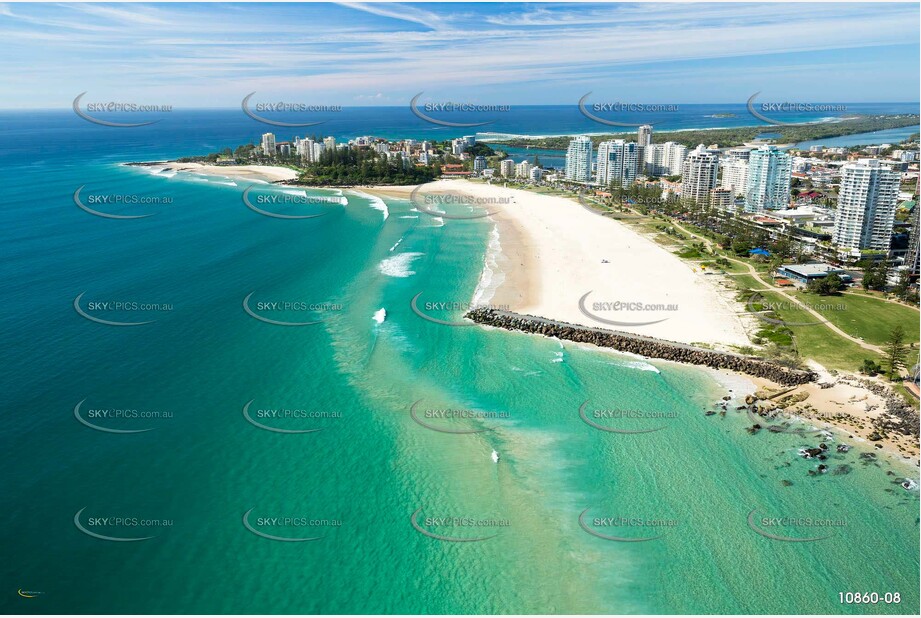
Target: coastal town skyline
648	52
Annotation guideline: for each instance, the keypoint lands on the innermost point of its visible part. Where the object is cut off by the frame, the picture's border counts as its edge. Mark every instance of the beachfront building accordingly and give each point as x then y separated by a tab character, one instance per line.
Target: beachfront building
675	154
329	143
804	273
643	141
479	164
507	168
536	174
318	149
739	154
723	200
305	149
768	184
735	175
579	159
913	257
470	140
617	161
665	159
698	176
268	144
523	170
867	200
458	146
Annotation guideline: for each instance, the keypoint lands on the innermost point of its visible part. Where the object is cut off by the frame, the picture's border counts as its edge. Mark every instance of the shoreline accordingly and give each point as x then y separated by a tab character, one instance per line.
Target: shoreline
508	280
833	403
495	138
568	264
273	174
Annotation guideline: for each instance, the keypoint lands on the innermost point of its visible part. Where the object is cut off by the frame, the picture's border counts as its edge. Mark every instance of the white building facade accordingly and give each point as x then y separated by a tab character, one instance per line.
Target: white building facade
867	200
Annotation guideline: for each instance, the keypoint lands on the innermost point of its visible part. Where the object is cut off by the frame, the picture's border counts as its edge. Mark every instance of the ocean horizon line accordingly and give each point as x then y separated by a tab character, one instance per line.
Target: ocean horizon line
236	107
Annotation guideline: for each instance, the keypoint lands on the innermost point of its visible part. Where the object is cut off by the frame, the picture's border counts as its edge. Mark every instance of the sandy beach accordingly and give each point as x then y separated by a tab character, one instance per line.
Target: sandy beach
265	173
560	253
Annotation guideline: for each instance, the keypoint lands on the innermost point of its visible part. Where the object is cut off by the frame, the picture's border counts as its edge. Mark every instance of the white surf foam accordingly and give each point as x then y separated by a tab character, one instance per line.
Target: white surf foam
491	277
641	365
399	265
376	203
380	315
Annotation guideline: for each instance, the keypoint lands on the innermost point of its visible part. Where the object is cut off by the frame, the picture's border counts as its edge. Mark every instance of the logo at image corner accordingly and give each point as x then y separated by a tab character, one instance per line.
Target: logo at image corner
29	594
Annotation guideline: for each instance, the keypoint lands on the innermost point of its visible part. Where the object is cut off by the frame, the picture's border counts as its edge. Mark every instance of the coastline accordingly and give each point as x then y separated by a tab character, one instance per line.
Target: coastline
261	173
534	234
569	264
529	254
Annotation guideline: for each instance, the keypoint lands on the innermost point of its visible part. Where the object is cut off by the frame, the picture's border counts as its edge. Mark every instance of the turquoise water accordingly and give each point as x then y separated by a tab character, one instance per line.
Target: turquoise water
356	483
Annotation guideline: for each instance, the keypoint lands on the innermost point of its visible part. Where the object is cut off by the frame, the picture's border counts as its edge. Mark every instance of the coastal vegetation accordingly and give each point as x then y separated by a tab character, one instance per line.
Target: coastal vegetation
353	166
786	333
737	136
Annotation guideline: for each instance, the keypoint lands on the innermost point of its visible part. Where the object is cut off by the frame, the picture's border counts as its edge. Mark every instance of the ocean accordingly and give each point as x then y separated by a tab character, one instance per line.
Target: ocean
379	494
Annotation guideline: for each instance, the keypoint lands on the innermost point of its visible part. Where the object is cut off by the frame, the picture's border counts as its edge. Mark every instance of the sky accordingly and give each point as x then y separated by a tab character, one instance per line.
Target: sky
352	54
